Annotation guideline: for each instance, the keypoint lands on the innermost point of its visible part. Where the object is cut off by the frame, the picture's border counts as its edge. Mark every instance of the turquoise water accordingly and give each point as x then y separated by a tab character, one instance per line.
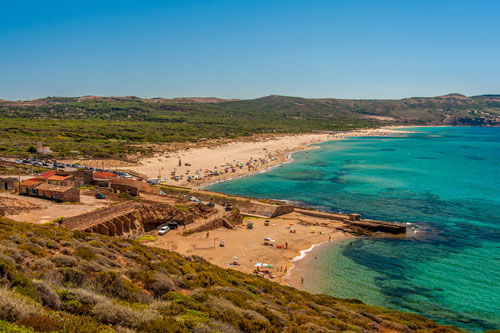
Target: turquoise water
444	181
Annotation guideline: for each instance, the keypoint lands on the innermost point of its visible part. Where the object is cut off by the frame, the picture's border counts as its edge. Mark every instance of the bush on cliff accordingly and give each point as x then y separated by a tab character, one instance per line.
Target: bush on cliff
147	289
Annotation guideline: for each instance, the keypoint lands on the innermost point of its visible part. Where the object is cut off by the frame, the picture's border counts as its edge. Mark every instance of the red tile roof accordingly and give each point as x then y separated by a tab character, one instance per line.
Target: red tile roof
47	174
31	182
58	177
104	175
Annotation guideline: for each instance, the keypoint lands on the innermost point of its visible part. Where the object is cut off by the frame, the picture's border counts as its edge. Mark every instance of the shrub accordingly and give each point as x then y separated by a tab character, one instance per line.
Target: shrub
6	268
164	326
84	324
146	238
16	308
58	220
62	260
116	314
49	297
86	296
71	275
159	284
13	328
41	323
24	286
126	196
193	318
66	243
114	285
89	266
85	253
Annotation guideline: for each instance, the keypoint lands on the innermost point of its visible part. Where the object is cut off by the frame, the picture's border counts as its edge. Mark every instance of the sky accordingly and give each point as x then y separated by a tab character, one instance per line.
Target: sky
249	48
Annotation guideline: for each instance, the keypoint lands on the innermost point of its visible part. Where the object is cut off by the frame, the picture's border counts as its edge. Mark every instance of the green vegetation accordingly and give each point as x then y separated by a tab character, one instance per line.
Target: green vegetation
120	127
126	196
146	238
53	280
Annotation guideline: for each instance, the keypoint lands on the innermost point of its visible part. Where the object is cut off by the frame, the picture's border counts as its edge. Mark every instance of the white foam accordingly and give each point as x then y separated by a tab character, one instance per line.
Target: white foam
304	253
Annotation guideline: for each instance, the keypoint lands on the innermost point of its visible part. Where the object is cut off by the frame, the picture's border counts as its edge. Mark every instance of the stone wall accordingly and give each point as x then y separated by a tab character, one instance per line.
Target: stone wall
128	219
246	206
230	222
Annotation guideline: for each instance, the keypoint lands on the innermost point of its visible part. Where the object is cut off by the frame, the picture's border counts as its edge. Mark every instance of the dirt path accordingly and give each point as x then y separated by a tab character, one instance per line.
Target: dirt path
46	211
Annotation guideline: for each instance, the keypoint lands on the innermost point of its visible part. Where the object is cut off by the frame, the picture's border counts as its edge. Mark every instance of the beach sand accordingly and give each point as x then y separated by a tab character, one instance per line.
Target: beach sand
268	152
261	151
248	244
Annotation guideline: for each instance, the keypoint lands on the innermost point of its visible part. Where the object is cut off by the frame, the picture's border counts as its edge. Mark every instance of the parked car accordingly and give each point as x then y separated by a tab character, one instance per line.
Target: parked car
173	225
229	206
100	196
211	204
194	199
163	230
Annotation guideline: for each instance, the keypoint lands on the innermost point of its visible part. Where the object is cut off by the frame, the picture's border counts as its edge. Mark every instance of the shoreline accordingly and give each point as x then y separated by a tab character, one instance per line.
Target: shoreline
289	159
267	153
248	245
287	156
231	159
299	263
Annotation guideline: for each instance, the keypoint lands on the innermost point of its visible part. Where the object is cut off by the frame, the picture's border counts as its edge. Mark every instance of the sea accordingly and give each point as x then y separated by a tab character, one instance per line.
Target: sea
444	182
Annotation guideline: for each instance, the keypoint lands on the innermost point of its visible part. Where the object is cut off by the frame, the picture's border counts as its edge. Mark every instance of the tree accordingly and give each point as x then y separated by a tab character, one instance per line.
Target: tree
31	150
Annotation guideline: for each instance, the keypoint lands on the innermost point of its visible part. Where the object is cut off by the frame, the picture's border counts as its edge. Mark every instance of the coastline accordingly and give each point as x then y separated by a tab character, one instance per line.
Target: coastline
232	158
238	242
248	245
269	152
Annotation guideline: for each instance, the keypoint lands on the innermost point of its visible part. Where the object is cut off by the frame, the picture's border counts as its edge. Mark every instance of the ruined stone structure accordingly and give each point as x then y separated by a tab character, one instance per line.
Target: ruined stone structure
250	207
128	219
230	222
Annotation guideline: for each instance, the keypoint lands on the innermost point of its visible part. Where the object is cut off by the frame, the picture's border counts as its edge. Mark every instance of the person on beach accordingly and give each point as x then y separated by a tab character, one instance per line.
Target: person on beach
286	245
301	280
329	239
207	234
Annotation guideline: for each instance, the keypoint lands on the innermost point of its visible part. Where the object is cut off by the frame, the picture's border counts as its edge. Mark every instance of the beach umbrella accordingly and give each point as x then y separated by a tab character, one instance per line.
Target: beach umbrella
268	221
235	257
270	266
313	229
267	239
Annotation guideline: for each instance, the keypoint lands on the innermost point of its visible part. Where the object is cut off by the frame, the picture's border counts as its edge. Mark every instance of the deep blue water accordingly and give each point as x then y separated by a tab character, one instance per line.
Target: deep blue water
445	181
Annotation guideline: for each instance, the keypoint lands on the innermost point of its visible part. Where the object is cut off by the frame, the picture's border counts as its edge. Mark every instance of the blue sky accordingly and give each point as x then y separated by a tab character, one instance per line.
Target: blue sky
249	49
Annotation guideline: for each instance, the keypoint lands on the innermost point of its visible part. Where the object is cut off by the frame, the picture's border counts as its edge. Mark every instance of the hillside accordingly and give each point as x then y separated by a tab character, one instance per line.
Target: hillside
55	280
117	127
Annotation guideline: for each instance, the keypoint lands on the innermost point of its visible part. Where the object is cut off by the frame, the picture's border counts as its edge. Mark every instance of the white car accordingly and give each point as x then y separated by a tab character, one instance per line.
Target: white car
163	230
194	199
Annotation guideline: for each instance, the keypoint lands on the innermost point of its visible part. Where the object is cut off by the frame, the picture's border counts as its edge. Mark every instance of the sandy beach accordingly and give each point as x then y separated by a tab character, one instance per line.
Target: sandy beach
230	159
194	166
246	246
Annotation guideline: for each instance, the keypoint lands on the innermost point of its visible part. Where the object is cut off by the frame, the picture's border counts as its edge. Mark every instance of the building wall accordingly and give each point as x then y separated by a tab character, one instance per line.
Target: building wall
7	183
72	195
125	189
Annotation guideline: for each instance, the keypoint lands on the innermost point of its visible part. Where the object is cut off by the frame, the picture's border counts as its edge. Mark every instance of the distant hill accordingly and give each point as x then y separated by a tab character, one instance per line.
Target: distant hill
114	126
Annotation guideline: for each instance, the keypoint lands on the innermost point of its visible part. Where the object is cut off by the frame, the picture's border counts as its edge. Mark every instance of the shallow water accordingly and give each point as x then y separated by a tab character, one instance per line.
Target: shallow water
445	181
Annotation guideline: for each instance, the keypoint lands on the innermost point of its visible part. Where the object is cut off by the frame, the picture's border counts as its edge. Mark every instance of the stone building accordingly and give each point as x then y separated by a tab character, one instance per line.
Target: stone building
38	188
7	183
121	188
